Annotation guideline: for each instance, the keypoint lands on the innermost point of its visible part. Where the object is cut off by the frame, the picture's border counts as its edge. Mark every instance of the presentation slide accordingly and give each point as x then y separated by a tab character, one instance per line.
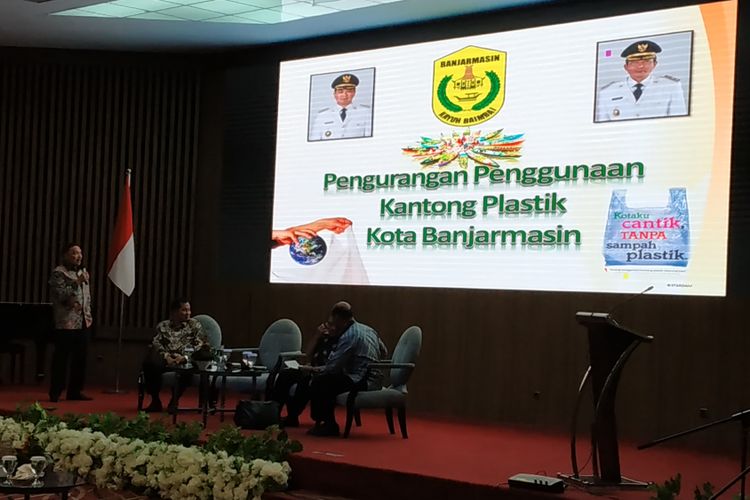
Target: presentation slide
591	156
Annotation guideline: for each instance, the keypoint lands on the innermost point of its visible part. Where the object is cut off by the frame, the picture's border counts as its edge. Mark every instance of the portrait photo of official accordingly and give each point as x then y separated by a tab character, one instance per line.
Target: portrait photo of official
341	105
643	77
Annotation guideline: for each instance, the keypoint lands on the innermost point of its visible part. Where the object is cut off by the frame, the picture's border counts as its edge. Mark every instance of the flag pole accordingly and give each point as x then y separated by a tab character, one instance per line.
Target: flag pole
121	266
119	344
117	390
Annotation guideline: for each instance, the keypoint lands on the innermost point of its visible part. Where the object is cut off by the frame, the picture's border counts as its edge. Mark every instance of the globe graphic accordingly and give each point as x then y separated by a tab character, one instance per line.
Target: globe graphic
308	251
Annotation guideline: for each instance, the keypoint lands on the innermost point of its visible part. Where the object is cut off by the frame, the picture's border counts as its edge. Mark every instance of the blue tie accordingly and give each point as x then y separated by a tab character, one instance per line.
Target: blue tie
342	113
638	91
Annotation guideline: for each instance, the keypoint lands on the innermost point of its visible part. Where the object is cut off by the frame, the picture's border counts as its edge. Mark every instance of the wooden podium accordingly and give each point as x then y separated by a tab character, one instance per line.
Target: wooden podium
610	346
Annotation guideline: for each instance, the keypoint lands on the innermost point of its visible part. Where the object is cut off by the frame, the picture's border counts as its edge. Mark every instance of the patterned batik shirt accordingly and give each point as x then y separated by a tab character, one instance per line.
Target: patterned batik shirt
71	302
173	339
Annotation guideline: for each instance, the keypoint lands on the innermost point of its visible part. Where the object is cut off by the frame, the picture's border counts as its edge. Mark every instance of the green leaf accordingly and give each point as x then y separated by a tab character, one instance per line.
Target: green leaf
705	493
667	491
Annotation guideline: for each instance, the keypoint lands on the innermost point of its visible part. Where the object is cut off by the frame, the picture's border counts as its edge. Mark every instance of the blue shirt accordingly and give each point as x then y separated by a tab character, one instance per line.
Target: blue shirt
358	346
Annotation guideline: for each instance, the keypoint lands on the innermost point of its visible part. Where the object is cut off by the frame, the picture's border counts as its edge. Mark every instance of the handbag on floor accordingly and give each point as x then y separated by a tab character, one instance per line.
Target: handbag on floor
257	414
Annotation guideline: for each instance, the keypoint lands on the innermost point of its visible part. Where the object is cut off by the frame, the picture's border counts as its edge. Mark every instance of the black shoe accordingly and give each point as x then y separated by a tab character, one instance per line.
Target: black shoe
154	407
54	397
325	430
289	421
78	397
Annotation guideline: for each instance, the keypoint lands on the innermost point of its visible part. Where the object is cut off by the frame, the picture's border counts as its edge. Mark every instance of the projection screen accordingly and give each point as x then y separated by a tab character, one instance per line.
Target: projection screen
590	156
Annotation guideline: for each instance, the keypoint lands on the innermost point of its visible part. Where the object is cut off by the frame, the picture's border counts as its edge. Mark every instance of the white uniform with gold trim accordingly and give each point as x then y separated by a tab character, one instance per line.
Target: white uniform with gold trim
662	96
328	123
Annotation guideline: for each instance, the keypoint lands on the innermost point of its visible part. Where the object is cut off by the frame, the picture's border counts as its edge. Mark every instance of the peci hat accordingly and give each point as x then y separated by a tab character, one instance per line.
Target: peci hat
344	81
642	49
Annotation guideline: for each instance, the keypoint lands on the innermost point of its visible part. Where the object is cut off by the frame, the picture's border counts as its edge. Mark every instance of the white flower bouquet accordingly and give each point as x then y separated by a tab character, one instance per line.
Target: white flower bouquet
171	471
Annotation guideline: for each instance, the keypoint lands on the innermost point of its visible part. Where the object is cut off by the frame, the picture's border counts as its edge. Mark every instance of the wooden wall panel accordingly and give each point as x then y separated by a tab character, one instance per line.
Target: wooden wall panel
68	132
518	357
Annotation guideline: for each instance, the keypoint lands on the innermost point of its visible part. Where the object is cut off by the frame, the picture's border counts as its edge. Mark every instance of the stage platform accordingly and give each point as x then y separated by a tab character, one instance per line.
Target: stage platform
441	458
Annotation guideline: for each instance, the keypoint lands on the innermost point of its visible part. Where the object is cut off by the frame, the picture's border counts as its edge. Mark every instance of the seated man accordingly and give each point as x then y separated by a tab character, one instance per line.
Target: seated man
358	345
168	349
319	348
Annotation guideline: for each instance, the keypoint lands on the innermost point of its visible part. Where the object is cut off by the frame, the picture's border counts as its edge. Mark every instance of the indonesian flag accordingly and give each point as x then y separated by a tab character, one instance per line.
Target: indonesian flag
121	260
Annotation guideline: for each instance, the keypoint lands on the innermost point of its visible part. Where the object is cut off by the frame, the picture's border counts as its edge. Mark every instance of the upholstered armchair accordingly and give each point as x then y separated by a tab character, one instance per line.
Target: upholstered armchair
395	395
282	337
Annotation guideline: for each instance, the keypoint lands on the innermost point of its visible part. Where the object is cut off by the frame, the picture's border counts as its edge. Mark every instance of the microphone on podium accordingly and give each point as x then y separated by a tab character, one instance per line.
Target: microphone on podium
632	297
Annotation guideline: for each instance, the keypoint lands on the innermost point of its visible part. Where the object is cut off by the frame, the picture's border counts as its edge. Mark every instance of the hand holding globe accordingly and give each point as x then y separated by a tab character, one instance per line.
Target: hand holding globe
310	230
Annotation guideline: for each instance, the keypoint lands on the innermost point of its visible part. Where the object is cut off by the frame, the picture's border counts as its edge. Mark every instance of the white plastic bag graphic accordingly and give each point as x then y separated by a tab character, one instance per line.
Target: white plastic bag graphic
647	236
342	263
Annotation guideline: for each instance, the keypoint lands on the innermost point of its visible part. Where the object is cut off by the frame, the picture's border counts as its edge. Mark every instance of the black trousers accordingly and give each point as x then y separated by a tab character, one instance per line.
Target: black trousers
323	391
71	351
297	400
153	368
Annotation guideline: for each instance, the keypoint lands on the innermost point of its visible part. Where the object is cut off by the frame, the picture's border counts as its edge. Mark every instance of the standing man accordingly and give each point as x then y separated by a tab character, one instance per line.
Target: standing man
169	349
71	306
358	345
346	119
641	94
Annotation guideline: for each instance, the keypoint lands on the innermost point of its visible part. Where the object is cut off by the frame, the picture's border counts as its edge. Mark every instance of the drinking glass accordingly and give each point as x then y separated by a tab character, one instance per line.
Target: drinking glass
49	462
248	359
38	464
9	463
189	355
225	353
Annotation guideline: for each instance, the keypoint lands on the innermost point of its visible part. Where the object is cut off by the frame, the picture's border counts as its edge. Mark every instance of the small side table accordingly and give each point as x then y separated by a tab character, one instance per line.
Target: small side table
207	380
204	390
252	373
59	483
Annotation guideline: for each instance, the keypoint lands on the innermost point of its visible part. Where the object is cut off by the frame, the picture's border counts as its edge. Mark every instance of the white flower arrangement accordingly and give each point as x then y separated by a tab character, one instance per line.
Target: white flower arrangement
168	470
15	434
